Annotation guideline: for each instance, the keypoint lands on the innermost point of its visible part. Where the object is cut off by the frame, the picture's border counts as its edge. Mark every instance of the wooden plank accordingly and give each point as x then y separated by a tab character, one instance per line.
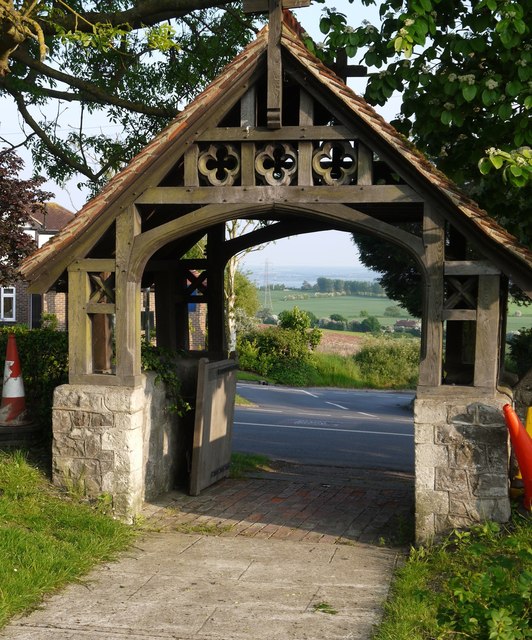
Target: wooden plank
274	100
128	299
430	367
488	335
286	134
365	165
470	268
248	119
355	194
191	166
216	342
93	265
305	149
100	307
459	314
79	325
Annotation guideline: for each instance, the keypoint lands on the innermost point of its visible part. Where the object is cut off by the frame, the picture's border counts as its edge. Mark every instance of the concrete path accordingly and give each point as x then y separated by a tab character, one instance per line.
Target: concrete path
197	574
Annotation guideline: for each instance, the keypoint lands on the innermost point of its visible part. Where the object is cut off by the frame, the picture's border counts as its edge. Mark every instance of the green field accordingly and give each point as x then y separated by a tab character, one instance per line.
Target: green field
351	306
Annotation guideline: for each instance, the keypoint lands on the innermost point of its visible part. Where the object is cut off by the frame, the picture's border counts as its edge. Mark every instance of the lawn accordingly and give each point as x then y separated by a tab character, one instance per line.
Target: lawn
351	306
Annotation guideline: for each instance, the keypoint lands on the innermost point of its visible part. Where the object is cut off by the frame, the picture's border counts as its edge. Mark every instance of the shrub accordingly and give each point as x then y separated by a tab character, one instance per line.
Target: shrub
43	357
386	362
521	351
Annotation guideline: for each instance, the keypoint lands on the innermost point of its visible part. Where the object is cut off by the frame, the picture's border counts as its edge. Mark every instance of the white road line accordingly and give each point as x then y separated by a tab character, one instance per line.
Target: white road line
369	415
336	405
350	431
308	393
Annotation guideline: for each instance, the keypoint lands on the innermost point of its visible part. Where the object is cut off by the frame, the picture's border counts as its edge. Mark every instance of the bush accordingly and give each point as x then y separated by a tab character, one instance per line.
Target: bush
387	362
521	351
43	357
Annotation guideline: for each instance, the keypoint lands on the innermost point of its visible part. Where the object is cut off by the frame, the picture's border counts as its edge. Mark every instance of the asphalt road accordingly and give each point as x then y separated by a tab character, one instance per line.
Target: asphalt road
344	428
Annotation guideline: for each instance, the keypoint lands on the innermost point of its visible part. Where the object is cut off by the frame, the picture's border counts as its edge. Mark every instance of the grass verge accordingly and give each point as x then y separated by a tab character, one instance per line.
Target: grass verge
46	539
476	584
242	463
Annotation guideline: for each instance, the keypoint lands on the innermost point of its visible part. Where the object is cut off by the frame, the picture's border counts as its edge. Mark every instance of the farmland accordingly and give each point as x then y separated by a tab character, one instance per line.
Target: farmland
351	306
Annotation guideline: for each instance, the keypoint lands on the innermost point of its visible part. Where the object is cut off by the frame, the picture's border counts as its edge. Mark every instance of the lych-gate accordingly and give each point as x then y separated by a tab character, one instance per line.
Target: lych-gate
277	137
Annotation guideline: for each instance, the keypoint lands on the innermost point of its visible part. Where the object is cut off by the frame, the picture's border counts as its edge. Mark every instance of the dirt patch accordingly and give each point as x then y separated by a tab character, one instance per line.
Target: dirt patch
340	343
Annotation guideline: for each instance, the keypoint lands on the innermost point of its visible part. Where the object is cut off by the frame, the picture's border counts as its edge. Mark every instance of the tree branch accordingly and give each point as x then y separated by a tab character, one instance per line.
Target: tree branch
89	91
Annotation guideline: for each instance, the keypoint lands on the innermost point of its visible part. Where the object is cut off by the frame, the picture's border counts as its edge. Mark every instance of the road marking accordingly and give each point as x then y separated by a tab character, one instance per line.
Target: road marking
266	387
261	409
351	431
369	415
336	405
308	393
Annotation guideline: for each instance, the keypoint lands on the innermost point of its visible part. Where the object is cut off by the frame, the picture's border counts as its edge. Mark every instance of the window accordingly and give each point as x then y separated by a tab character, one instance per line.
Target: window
7	304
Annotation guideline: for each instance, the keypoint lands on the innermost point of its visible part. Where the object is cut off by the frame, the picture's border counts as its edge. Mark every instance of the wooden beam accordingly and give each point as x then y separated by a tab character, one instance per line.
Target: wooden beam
365	165
191	166
305	149
274	100
348	194
470	268
128	305
459	314
487	335
262	6
93	265
79	326
286	134
248	119
430	367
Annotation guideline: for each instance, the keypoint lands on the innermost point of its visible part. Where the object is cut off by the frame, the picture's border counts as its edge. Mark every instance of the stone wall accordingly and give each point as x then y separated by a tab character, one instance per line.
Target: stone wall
115	441
461	450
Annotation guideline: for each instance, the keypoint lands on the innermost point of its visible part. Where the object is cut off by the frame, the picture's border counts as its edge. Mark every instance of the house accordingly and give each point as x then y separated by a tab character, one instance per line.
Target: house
17	306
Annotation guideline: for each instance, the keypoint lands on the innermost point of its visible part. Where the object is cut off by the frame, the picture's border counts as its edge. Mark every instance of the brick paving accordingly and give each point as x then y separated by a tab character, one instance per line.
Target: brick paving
299	503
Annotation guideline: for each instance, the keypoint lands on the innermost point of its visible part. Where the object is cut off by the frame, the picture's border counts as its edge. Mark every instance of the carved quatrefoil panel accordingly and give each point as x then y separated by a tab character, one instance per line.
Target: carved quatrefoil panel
334	163
276	164
220	164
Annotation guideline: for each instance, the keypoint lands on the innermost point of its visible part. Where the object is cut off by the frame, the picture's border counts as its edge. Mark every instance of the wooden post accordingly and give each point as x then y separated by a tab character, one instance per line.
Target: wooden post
365	165
166	284
487	338
430	368
248	119
306	118
216	302
127	300
79	325
275	68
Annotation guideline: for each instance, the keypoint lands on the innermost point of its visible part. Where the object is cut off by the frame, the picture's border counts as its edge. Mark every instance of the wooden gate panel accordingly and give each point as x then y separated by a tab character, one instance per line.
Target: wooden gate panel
213	426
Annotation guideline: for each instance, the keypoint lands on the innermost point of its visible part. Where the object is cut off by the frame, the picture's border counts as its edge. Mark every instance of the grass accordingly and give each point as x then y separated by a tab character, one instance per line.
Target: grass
204	529
476	584
242	463
47	539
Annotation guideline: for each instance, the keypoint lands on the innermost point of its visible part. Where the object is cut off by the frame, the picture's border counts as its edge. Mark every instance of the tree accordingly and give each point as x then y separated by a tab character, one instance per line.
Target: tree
150	56
463	69
19	199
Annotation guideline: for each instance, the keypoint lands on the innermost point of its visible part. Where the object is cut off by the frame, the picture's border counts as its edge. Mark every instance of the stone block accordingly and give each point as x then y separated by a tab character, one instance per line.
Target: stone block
425	477
430	411
61	420
424	434
454	480
431	455
447	434
425	527
468	455
487	414
489	485
432	502
125	399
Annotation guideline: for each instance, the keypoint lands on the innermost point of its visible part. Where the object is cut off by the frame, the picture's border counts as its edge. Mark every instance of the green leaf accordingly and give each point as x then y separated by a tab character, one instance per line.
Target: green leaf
325	25
505	111
513	88
446	118
469	92
492	5
496	161
484	166
427	5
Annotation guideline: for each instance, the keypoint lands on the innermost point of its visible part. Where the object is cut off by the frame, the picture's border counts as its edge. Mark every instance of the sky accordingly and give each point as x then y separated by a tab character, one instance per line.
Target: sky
330	247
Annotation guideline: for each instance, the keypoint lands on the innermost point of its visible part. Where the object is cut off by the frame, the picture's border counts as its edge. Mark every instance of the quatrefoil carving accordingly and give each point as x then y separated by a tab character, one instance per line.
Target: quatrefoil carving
276	164
334	163
220	164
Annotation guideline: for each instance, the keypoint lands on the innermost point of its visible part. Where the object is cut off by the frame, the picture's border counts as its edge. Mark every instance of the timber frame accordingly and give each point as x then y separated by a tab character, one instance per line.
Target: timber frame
280	139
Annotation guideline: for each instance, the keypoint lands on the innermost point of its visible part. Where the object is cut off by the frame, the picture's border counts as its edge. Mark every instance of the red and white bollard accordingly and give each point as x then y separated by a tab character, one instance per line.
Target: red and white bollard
13	407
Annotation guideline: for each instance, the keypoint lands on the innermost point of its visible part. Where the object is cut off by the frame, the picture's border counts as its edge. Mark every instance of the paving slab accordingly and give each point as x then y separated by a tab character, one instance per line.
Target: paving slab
293	584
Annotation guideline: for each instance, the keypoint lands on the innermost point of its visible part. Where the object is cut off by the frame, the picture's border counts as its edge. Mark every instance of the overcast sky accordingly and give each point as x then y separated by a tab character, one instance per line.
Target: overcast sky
332	247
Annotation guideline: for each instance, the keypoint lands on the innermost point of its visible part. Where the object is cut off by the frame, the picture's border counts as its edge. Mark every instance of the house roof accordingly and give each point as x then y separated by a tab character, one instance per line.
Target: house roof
53	218
448	194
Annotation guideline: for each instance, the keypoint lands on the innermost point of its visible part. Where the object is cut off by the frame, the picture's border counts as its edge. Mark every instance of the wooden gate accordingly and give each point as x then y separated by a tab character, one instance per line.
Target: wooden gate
213	426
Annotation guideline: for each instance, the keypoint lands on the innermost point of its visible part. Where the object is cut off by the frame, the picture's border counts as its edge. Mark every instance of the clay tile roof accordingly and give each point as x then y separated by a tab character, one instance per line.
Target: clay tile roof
291	39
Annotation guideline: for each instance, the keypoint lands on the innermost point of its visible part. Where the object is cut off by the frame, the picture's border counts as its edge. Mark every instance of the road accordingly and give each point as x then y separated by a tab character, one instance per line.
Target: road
345	428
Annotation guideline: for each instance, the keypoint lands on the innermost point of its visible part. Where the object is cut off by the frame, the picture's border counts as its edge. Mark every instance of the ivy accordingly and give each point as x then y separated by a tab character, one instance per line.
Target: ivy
165	363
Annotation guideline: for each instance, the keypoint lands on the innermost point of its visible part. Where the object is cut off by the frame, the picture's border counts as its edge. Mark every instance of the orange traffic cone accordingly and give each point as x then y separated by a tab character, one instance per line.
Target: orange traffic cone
13	407
522	446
